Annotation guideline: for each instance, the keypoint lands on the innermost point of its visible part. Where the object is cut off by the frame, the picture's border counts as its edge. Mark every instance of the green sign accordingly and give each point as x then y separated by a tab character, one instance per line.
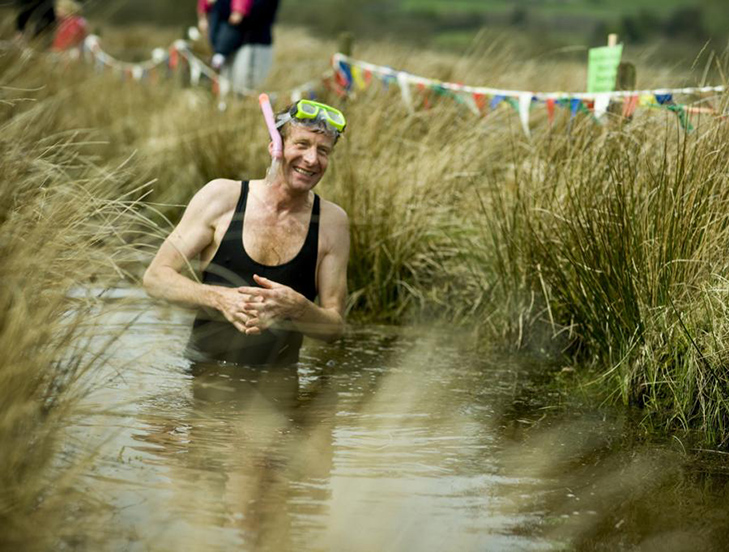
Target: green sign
602	68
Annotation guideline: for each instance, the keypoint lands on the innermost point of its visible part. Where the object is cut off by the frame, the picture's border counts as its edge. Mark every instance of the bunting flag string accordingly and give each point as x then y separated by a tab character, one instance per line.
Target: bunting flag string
178	55
348	76
91	50
477	98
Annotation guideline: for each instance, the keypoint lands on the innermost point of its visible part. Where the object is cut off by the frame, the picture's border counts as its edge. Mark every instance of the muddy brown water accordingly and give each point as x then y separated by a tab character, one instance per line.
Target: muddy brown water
393	439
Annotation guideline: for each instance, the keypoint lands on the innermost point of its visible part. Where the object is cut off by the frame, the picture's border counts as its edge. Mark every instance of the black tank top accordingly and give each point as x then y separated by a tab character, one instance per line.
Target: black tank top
213	337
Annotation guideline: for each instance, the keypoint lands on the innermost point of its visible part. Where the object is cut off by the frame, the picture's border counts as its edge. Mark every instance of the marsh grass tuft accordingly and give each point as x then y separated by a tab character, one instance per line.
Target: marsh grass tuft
625	236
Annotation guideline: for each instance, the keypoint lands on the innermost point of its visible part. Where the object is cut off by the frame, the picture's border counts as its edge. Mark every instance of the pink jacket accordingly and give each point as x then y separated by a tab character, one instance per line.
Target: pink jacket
70	33
239	6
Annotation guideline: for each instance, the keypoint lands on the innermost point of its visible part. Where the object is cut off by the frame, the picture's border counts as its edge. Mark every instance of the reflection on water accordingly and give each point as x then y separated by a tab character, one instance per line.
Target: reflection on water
390	440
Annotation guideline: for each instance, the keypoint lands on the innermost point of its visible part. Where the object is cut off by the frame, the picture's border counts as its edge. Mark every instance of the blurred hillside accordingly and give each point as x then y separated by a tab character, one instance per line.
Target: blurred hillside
455	22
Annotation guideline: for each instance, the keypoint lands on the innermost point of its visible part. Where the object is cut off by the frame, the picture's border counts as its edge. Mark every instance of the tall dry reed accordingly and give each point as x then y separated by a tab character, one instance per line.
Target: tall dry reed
65	222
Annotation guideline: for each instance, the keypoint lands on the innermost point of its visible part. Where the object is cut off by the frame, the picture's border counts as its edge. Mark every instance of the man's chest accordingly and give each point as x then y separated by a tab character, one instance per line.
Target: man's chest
273	240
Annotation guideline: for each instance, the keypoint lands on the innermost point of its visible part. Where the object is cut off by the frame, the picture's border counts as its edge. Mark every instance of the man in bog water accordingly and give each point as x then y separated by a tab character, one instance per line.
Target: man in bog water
273	254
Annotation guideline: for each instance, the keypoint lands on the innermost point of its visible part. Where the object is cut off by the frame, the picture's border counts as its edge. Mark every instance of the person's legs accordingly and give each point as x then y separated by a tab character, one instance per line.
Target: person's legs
229	40
226	78
262	62
249	67
212	28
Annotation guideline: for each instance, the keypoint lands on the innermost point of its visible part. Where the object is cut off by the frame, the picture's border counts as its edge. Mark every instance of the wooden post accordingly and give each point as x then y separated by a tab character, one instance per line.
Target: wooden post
181	75
624	80
627	75
346	43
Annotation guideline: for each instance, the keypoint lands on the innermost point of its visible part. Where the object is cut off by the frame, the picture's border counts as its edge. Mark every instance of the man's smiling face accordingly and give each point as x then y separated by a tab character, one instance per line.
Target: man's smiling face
305	157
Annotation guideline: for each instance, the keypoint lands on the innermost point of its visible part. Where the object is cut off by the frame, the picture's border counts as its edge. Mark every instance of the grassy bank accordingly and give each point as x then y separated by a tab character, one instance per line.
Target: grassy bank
602	245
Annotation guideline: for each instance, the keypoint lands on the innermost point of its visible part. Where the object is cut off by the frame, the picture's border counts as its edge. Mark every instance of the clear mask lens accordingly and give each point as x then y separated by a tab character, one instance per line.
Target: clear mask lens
309	109
335	117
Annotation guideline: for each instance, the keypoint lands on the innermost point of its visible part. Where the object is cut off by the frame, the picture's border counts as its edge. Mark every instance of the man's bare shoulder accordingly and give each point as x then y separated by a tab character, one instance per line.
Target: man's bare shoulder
220	192
215	199
332	214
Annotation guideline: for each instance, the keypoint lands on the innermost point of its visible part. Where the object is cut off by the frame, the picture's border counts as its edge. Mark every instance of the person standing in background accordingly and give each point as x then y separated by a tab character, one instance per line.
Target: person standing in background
249	67
72	28
35	18
241	35
221	20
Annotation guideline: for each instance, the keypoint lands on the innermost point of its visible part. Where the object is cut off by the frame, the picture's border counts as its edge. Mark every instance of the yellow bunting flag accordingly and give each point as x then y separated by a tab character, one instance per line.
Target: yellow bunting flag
647	100
358	78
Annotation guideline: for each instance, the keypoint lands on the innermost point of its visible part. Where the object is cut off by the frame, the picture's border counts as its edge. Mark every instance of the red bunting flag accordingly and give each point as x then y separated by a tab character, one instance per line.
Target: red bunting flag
332	85
424	90
174	58
480	100
340	79
550	110
629	106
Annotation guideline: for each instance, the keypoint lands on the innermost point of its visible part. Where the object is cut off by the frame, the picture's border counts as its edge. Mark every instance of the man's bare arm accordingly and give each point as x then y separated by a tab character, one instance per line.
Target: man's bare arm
164	278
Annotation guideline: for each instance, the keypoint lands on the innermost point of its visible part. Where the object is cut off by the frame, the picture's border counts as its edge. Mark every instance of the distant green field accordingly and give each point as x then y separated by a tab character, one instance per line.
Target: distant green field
595	8
453	23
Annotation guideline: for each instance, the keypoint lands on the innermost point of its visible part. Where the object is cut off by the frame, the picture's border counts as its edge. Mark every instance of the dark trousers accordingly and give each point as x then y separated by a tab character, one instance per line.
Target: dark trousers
225	38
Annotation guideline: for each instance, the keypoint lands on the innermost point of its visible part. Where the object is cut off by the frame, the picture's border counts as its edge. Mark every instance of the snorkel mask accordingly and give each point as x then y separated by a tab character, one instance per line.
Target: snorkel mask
309	111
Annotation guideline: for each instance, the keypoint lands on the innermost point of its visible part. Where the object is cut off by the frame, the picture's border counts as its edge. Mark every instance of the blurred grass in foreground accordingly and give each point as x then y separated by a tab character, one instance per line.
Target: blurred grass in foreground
604	244
65	221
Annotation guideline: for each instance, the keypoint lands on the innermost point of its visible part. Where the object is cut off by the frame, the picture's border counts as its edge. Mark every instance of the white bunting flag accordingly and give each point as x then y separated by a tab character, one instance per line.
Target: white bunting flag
525	105
402	80
195	72
159	55
224	85
193	33
602	101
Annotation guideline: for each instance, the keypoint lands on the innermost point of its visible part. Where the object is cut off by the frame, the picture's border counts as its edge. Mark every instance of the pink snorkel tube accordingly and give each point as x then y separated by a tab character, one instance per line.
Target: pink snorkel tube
277	153
271	124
